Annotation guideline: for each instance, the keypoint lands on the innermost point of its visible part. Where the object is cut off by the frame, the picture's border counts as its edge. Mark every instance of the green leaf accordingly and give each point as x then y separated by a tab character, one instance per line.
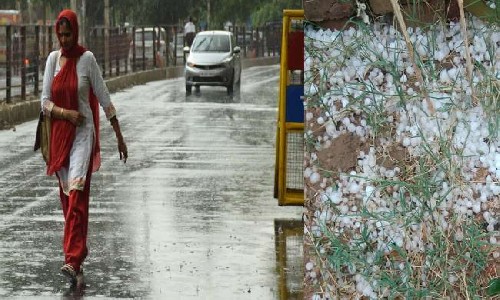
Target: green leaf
481	10
494	287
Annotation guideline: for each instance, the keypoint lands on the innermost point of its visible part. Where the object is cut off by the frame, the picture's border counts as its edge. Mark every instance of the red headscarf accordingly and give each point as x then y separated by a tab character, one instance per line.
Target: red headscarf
65	95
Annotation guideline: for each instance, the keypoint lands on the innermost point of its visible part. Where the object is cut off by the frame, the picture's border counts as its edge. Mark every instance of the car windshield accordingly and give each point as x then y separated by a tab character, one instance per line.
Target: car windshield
211	43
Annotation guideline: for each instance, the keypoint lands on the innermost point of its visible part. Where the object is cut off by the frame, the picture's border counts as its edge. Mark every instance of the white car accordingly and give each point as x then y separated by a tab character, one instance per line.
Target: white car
160	37
213	60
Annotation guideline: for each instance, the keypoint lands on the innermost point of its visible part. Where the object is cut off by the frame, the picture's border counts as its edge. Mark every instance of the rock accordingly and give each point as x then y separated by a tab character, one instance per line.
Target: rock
381	7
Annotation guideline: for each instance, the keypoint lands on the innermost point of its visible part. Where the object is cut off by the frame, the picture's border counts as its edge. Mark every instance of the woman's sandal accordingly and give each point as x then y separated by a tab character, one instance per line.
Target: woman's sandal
69	272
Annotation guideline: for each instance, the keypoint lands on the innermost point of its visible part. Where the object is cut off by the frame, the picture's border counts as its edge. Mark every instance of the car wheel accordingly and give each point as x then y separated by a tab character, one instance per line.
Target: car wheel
188	89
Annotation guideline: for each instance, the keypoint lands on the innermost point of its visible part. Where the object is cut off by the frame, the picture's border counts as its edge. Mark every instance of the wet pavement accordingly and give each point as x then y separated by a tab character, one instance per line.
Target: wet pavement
190	216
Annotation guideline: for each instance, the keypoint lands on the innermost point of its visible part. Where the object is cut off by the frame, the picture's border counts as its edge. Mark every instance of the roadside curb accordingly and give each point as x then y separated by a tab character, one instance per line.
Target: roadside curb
17	113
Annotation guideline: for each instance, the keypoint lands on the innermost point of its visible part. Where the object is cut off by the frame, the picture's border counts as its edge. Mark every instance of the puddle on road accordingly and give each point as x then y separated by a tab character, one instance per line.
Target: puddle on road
289	235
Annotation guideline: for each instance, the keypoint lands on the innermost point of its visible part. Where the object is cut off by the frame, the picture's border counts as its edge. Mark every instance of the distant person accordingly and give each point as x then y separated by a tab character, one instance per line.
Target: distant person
73	90
189	32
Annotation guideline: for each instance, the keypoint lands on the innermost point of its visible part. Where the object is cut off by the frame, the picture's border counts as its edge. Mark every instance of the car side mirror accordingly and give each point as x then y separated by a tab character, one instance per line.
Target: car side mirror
185	49
237	49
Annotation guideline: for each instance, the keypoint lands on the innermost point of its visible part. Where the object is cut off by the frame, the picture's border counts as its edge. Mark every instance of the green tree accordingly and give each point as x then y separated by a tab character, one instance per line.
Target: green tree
273	11
171	12
158	12
8	4
236	11
253	13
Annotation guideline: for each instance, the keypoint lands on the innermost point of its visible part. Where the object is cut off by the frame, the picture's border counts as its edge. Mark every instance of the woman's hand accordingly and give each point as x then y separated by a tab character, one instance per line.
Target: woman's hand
74	116
122	149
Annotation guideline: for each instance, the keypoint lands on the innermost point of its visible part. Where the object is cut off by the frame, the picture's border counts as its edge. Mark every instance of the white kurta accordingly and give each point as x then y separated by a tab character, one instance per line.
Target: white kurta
89	75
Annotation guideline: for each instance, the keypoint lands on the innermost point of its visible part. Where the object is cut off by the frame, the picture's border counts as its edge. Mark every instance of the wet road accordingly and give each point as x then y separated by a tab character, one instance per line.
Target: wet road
190	216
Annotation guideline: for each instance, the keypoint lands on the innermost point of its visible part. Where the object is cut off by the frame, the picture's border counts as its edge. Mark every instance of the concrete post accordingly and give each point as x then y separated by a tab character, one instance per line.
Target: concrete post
73	5
106	32
82	18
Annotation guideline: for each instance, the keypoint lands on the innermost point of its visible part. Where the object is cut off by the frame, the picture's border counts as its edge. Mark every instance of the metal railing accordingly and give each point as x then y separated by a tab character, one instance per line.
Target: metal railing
25	48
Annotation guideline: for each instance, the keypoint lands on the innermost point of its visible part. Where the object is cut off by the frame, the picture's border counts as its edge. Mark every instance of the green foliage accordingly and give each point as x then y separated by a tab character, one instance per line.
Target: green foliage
8	4
236	11
239	12
481	10
162	12
254	13
55	5
494	287
273	11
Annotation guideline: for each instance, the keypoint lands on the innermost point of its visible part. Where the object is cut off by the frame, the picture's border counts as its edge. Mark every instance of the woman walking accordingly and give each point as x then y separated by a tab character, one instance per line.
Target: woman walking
73	89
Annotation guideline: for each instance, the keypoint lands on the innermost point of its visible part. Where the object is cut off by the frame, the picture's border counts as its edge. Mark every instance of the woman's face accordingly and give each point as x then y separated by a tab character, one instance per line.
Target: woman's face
65	36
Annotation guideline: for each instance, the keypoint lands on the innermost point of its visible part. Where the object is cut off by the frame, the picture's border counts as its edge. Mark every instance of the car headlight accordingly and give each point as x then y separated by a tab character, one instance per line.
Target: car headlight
227	60
190	64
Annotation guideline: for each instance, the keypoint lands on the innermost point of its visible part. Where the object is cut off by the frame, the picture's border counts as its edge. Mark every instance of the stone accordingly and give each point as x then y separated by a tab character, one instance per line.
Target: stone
381	7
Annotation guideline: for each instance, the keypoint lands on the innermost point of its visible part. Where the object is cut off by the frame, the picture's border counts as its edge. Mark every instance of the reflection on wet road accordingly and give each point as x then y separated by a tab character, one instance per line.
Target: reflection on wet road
289	239
191	214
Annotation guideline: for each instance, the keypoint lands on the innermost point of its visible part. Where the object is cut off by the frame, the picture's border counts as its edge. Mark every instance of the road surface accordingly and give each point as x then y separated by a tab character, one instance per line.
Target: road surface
190	215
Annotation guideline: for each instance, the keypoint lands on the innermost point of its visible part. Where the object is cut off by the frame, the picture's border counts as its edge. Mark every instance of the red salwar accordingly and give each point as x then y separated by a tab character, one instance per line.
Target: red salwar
76	219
